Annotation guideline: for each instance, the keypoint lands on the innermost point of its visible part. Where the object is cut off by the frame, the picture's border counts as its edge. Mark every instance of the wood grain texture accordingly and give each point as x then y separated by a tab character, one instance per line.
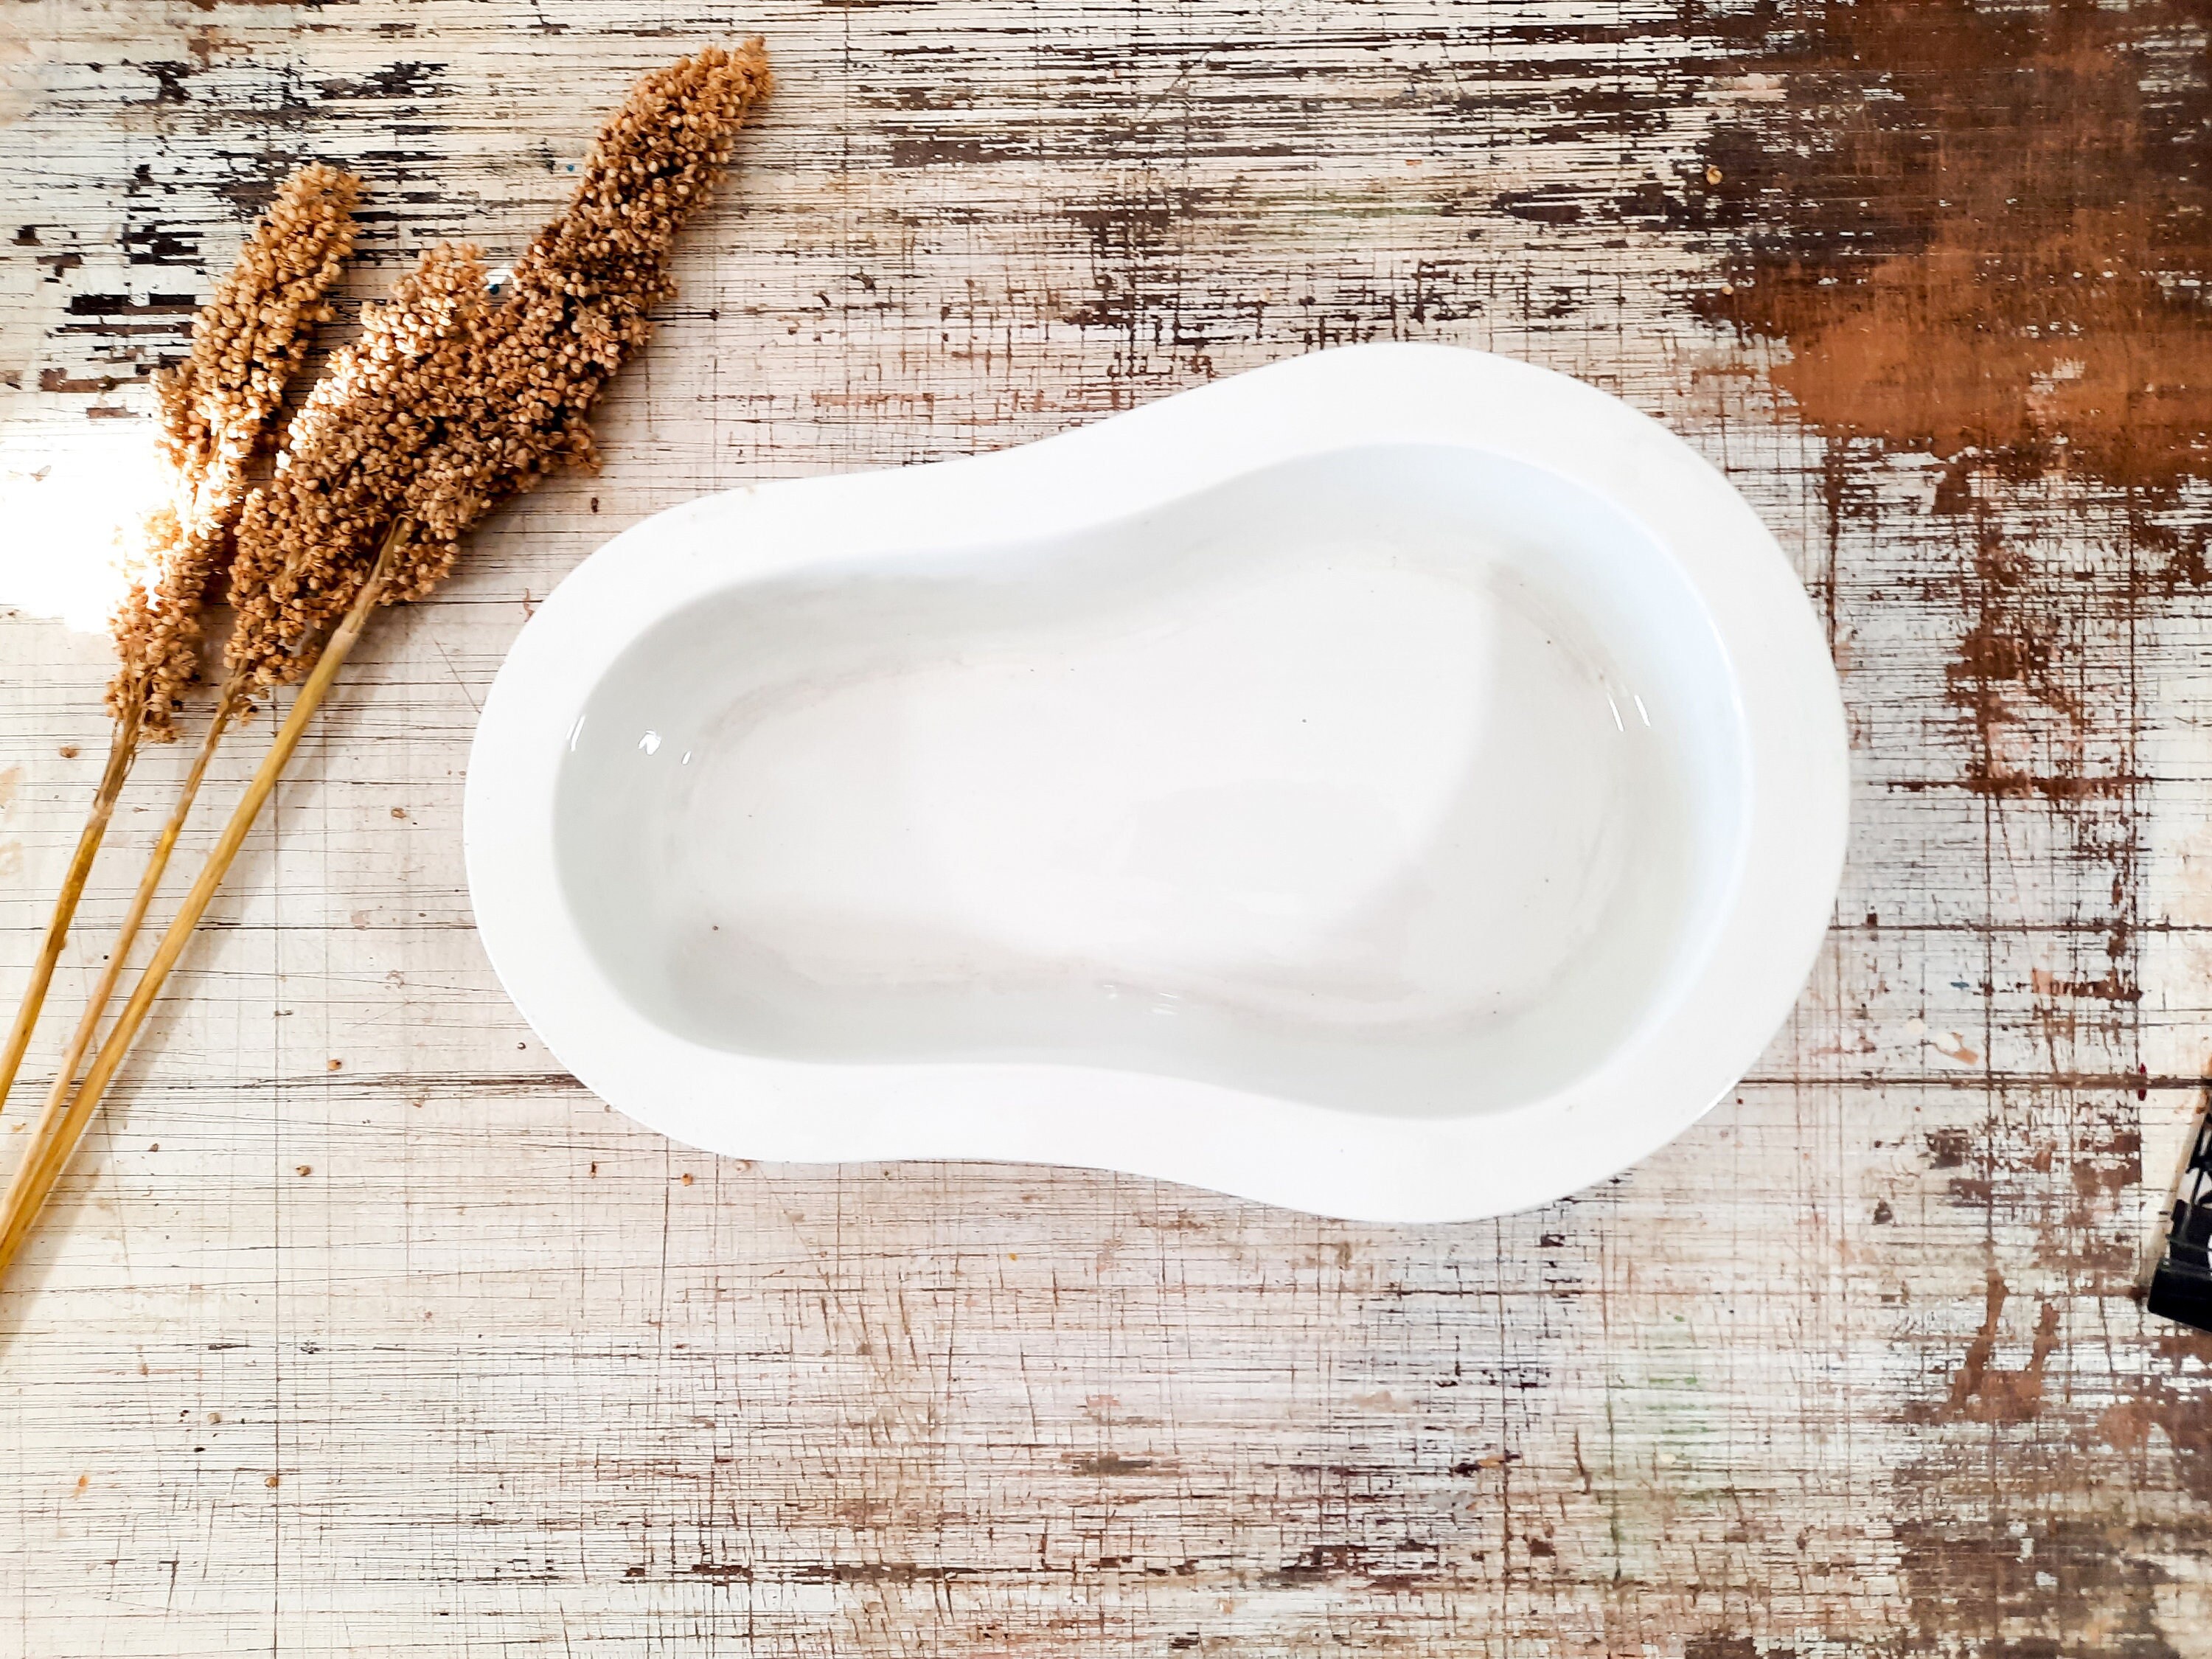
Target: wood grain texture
361	1329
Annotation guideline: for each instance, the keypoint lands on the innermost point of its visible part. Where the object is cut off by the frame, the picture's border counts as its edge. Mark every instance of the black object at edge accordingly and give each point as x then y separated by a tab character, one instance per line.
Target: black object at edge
2181	1288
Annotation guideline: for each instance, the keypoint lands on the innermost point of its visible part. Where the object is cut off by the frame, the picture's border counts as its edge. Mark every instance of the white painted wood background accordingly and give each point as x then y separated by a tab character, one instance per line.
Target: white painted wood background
361	1329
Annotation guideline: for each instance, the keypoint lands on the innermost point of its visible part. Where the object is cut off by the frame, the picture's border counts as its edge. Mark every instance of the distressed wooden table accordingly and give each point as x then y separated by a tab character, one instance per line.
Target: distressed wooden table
361	1329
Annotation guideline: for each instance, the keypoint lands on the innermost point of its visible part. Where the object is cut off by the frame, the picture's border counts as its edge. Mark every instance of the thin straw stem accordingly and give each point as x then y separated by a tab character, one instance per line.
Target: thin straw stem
122	748
149	884
49	1153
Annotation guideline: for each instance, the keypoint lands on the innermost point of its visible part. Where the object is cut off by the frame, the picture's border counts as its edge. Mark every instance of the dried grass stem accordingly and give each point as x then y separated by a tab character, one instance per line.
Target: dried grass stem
61	1126
122	748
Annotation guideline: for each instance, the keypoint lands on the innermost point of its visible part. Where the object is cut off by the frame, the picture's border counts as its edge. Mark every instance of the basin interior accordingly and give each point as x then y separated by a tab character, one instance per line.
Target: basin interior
1405	779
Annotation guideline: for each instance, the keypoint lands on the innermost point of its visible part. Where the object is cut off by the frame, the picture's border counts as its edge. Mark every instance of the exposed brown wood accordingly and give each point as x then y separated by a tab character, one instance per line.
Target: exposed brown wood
429	1350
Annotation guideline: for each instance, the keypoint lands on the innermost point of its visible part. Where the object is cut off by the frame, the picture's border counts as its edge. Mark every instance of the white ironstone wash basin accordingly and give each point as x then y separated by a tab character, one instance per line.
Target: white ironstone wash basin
1401	782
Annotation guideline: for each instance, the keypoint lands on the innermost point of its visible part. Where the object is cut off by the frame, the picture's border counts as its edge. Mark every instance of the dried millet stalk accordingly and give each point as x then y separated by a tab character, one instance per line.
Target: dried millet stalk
354	453
214	410
456	399
450	402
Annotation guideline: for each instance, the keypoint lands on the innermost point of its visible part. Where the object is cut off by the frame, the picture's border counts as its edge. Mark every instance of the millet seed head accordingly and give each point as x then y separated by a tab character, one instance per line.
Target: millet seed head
215	412
456	398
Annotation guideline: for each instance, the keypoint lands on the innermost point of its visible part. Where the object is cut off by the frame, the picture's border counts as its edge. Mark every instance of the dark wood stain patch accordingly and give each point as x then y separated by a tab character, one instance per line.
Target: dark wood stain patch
1983	232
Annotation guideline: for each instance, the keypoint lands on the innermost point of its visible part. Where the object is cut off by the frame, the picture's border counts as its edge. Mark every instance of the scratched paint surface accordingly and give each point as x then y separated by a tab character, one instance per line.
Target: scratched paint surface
361	1329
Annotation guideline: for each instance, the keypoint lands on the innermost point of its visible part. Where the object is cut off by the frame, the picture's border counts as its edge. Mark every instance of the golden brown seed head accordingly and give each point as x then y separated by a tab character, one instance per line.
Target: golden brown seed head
455	398
215	409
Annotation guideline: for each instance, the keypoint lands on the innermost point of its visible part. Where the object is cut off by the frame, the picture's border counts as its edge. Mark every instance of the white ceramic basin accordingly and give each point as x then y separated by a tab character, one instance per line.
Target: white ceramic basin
1401	782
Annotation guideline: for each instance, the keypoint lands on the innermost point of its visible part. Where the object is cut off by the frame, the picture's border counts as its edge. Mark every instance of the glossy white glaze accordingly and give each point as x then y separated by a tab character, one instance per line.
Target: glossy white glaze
1325	786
